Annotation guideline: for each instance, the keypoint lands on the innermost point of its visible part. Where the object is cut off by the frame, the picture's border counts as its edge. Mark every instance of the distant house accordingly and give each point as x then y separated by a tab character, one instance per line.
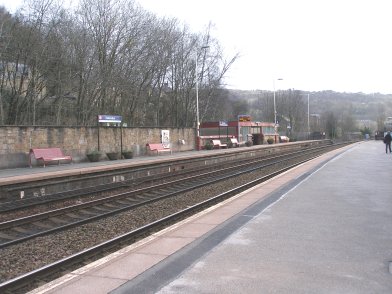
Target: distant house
17	77
388	124
315	123
12	74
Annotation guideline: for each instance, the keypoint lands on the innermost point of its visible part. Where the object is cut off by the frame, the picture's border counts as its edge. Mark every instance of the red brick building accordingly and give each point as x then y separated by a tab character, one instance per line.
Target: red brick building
243	130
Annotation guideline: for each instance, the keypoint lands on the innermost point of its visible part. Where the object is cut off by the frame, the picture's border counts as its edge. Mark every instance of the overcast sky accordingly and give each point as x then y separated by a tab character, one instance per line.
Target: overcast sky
313	45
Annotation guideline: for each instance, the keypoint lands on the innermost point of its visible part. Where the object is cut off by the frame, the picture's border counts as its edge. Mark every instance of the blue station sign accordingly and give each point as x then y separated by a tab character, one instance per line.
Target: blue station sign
109	118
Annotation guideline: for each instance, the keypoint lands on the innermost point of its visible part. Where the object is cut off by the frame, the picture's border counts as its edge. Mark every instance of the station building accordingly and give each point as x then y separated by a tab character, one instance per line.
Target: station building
243	130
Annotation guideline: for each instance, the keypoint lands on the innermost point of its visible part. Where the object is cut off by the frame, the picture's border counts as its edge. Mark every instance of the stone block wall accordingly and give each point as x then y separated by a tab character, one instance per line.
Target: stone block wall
15	142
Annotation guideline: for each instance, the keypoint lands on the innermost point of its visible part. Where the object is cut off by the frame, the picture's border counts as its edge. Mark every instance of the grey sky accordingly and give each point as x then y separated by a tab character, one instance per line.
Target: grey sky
340	45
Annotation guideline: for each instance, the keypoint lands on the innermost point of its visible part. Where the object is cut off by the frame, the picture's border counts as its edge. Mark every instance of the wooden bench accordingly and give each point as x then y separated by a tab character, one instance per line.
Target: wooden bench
158	148
47	155
234	142
217	144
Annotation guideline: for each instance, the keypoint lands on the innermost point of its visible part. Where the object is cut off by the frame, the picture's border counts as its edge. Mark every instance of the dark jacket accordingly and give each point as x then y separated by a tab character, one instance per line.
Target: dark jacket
387	138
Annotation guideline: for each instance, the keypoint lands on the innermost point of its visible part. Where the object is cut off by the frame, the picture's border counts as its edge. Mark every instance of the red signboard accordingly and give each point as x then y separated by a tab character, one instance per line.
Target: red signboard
242	117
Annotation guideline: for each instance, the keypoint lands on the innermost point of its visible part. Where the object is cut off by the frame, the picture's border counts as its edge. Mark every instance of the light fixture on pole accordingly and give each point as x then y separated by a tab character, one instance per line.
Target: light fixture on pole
308	119
197	93
308	116
275	101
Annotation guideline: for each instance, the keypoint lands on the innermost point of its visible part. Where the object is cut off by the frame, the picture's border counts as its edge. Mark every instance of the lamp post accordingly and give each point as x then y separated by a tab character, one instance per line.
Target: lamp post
308	119
308	116
197	93
275	100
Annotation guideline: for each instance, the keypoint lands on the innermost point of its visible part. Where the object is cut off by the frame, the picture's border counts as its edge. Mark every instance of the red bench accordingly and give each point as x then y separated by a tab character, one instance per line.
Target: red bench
159	147
217	144
47	155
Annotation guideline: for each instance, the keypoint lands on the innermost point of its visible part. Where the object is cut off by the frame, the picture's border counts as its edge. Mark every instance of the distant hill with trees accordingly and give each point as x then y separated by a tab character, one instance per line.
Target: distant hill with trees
345	112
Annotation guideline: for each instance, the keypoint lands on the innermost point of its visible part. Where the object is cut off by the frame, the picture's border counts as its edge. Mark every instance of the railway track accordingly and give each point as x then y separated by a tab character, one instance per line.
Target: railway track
143	196
124	182
9	210
22	229
47	191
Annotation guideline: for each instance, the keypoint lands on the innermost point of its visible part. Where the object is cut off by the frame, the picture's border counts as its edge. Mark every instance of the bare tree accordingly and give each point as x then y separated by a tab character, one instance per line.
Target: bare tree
6	23
109	56
290	108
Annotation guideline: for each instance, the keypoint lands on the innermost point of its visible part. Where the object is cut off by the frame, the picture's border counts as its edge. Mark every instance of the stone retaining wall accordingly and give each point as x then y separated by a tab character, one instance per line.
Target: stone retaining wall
15	142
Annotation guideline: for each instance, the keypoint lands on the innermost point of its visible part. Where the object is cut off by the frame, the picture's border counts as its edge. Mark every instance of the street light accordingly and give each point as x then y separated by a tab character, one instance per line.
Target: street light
308	116
197	92
275	100
308	119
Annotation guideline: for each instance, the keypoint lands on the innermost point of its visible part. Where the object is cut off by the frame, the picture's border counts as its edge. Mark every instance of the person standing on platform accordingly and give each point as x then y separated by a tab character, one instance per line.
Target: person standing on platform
387	141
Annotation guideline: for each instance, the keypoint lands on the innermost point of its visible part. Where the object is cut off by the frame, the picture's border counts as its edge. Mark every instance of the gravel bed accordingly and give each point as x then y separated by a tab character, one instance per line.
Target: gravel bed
61	203
35	253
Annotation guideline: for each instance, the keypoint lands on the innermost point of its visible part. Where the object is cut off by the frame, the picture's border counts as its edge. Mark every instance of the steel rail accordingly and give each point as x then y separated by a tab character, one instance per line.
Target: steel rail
196	182
14	205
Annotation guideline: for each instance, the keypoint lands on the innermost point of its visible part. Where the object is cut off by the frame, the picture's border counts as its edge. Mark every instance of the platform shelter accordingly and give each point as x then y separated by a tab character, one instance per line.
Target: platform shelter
256	132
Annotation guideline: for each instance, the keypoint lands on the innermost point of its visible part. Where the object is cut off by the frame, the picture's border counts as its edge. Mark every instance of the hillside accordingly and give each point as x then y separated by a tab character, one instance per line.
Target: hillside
363	106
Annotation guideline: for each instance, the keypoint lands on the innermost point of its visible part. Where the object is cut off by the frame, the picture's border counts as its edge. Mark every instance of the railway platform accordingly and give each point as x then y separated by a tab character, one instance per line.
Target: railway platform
9	175
16	175
39	181
323	227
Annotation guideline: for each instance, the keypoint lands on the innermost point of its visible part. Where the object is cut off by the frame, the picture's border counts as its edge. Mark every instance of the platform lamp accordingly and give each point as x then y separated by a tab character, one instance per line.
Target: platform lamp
308	116
280	79
197	92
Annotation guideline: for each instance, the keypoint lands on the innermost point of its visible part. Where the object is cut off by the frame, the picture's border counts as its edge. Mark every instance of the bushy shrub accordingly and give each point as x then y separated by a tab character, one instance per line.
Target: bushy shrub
270	141
208	146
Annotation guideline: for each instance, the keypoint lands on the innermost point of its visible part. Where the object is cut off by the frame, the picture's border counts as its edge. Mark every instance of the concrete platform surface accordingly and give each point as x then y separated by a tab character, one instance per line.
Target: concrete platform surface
9	176
324	227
